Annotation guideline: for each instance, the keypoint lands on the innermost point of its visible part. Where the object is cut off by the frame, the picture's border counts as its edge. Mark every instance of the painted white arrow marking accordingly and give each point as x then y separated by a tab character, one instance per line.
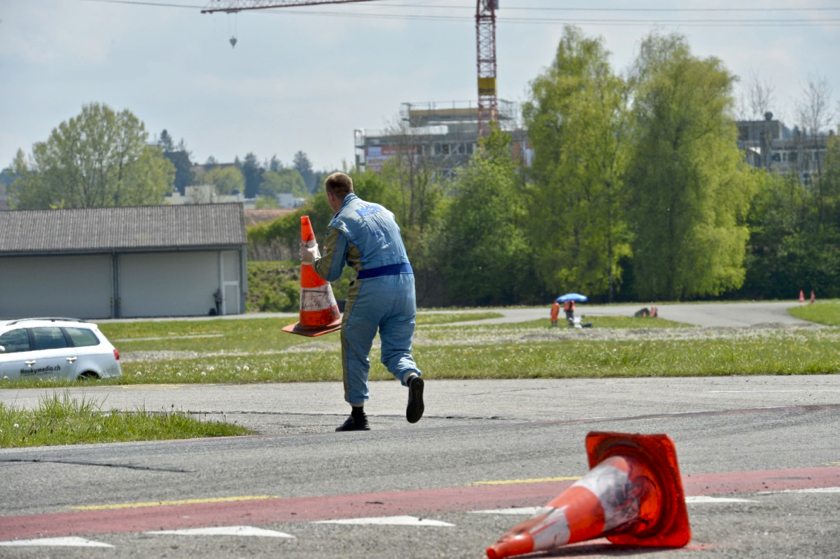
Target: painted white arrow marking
225	531
702	499
55	542
388	521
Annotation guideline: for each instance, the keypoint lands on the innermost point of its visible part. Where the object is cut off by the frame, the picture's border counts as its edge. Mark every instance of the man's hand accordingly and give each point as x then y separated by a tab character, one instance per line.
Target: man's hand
308	253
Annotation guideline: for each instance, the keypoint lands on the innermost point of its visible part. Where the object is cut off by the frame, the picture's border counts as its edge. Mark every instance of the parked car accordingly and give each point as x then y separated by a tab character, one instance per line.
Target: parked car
56	347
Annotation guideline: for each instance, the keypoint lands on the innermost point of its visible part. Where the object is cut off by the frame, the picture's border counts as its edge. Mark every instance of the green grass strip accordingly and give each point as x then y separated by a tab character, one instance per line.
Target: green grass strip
61	420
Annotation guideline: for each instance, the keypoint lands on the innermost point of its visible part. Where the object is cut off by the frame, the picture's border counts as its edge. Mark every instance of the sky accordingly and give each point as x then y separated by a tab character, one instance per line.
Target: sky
305	78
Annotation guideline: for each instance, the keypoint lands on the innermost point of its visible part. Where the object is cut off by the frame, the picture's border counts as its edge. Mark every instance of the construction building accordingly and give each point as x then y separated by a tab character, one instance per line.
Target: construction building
444	135
770	145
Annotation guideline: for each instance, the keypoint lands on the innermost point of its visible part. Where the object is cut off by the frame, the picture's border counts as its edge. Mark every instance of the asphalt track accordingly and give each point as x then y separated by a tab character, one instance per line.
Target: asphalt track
758	456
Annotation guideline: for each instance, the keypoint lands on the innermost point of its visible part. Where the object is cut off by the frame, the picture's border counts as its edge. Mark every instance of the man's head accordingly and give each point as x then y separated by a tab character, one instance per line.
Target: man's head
337	185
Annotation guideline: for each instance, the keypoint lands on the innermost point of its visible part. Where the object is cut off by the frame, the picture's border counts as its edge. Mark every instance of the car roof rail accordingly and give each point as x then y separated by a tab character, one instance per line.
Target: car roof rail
46	318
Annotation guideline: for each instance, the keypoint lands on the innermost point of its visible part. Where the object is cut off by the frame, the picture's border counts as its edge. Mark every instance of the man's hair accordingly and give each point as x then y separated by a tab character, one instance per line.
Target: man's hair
339	185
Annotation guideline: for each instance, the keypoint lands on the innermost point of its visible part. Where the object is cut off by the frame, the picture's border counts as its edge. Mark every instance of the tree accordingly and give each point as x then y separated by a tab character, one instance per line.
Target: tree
690	189
179	156
283	180
98	158
482	251
252	172
576	119
165	141
302	165
227	180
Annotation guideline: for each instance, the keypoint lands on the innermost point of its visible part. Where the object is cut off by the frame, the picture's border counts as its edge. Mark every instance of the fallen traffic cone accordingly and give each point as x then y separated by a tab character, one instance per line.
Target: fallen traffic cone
801	296
319	312
632	495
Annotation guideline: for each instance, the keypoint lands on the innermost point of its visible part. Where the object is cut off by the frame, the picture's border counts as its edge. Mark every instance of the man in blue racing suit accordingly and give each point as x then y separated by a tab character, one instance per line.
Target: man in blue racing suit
366	237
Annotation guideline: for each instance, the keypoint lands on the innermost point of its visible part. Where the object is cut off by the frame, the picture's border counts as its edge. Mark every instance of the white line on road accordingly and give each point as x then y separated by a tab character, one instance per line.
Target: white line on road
808	490
703	499
513	510
55	542
764	391
225	531
388	521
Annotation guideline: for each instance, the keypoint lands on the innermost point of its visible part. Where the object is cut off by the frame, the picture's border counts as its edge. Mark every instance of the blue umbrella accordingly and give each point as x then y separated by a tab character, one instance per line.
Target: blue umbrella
577	297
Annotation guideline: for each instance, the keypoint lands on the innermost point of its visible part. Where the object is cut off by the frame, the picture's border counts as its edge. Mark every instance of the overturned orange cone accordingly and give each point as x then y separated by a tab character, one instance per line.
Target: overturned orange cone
632	495
319	312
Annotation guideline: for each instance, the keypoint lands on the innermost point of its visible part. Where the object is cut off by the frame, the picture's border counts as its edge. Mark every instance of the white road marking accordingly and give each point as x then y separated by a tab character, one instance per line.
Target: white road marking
764	391
225	531
689	500
514	510
706	499
809	490
55	542
387	521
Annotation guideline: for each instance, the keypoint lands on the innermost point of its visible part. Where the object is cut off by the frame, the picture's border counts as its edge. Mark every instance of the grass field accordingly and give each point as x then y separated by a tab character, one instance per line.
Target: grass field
255	350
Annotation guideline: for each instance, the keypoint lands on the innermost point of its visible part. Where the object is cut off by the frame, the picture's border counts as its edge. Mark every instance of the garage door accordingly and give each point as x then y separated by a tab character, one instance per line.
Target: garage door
168	284
71	286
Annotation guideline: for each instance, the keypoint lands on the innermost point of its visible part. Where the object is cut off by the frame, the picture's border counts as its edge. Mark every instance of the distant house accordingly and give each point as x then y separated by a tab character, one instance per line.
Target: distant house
206	194
149	261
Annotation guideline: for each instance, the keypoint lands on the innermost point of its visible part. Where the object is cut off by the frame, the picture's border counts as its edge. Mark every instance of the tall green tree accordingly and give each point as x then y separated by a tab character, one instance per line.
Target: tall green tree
252	173
227	180
302	165
576	120
690	188
98	158
482	251
179	156
283	180
795	234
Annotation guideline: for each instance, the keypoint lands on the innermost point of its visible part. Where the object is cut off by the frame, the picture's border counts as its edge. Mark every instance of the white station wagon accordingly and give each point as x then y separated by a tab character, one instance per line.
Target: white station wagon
56	347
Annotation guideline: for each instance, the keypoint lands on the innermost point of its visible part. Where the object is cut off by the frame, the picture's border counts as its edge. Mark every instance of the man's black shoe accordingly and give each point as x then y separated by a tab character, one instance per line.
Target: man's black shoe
415	408
354	424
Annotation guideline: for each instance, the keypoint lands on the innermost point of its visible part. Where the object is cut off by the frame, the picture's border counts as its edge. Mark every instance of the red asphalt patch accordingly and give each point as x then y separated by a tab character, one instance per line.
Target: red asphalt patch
421	502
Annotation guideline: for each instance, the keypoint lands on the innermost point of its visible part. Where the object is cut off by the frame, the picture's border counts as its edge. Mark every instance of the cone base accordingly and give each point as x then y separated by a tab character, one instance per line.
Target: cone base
658	455
312	332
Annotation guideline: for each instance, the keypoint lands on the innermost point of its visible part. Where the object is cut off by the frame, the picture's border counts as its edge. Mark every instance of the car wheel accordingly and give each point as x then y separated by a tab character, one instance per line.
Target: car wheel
88	376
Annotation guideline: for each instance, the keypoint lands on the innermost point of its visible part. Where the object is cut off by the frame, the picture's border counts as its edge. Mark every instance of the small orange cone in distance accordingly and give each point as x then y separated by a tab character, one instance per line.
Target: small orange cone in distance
319	312
801	296
813	296
632	495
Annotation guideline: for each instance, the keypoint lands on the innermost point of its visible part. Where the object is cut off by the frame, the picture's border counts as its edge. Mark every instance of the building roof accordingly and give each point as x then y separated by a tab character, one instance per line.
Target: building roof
132	228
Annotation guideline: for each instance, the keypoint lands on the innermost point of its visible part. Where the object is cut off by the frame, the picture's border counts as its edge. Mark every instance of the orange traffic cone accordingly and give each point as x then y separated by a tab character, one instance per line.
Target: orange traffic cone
632	495
319	312
813	296
801	296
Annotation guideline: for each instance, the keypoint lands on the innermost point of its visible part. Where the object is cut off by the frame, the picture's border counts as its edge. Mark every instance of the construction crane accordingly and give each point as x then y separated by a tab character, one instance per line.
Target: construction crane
485	34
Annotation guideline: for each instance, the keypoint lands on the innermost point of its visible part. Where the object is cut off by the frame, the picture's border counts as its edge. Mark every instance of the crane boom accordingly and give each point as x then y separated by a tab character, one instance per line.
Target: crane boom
485	32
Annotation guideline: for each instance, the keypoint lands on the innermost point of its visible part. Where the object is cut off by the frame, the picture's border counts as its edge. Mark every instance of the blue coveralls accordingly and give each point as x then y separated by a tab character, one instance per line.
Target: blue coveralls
366	237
